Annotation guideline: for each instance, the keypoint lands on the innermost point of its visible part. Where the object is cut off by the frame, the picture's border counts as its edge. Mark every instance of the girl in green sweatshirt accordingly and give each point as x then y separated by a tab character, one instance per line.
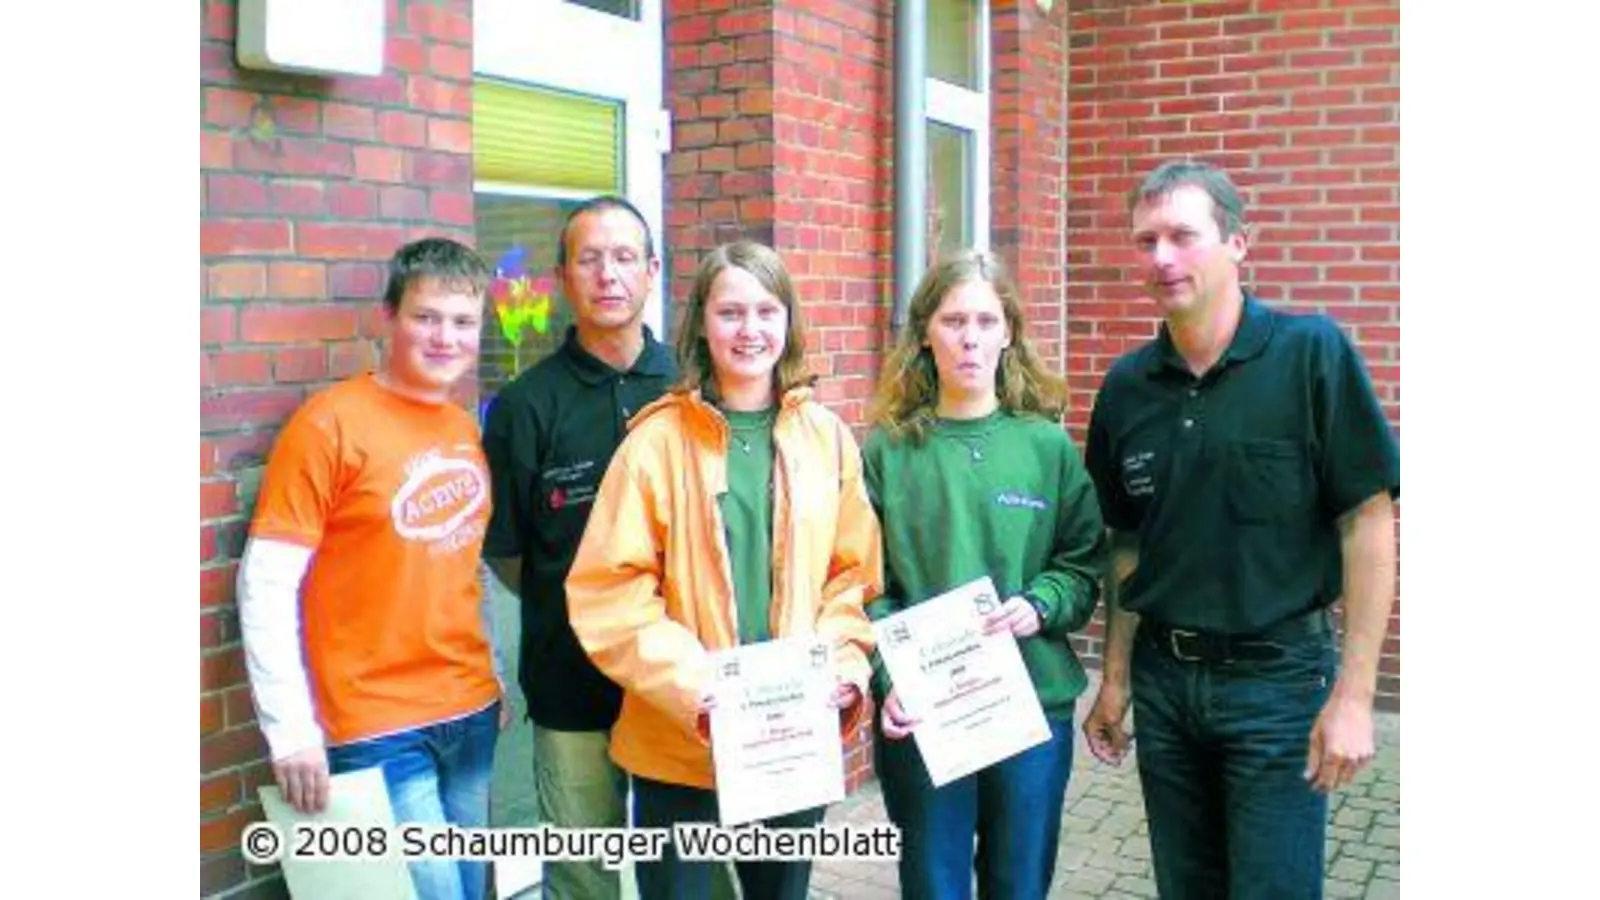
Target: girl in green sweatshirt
972	475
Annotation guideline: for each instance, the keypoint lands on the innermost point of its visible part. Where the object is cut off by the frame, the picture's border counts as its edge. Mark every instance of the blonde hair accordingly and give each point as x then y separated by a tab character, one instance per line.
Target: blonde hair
908	391
762	262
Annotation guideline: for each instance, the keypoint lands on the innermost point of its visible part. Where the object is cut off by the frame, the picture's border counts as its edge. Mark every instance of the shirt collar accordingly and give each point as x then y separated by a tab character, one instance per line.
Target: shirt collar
1249	339
654	359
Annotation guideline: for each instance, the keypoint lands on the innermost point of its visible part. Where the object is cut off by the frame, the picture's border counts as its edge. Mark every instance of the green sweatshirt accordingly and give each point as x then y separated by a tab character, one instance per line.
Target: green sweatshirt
1005	496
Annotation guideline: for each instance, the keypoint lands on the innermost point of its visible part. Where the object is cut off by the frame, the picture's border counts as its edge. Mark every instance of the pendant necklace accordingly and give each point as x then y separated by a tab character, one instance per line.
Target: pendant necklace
740	439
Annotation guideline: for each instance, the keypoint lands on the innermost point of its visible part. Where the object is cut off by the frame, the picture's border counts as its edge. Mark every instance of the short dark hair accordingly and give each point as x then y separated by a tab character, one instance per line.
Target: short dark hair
1226	205
450	263
600	204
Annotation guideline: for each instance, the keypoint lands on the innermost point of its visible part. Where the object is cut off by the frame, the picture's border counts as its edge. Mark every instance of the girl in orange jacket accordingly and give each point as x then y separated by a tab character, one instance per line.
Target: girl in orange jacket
733	513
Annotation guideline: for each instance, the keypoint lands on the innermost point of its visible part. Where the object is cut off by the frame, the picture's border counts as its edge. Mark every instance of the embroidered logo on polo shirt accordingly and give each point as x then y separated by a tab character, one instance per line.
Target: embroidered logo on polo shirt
1138	475
1012	498
572	484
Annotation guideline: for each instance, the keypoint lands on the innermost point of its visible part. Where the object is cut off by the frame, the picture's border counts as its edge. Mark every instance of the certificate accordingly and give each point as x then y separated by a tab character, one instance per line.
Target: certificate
359	798
774	734
971	691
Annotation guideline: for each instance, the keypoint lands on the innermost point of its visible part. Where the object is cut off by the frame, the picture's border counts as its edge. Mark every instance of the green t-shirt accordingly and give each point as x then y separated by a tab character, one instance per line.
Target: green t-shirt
747	519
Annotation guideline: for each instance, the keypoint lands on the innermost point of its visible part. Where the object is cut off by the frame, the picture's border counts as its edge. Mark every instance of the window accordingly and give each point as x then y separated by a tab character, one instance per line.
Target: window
953	42
537	152
949	189
555	123
958	125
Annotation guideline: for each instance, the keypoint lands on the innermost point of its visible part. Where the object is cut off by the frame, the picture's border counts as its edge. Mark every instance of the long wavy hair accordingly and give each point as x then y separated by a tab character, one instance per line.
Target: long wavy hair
908	390
694	355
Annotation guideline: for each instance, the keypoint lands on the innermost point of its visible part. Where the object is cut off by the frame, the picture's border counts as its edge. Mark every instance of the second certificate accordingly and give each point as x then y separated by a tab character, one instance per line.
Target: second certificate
970	690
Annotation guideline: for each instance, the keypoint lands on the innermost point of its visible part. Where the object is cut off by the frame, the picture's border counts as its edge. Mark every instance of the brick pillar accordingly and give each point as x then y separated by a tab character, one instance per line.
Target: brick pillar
782	134
719	182
835	182
1028	120
308	185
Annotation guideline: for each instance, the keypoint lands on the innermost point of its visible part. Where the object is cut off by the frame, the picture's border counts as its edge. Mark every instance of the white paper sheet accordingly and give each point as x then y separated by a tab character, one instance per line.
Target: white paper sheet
971	691
774	735
359	798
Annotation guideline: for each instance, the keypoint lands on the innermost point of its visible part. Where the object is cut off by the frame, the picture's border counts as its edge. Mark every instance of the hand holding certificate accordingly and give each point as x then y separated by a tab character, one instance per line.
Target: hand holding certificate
970	689
359	798
774	734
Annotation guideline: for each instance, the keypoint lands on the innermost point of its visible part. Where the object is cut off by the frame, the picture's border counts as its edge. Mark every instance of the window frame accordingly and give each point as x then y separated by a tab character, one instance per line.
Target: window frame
545	43
970	110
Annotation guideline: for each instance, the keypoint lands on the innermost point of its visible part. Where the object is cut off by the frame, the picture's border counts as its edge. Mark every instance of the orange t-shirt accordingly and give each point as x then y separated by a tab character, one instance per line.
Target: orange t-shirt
392	496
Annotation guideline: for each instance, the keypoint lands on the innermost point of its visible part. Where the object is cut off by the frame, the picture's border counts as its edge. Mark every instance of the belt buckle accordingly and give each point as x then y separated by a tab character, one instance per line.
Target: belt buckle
1172	641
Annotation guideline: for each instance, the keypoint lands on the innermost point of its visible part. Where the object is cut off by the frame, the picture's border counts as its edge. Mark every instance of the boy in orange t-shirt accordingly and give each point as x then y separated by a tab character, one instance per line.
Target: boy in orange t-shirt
359	598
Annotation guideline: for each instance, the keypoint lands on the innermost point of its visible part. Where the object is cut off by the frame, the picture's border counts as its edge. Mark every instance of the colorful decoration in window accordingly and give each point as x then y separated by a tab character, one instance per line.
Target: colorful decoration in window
521	302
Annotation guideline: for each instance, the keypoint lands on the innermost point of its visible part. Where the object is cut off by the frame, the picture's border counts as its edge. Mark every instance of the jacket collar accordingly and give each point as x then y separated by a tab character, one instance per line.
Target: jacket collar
705	420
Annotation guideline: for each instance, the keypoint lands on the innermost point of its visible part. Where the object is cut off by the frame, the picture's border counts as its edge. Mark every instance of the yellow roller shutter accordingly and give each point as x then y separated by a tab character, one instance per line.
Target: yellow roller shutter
537	137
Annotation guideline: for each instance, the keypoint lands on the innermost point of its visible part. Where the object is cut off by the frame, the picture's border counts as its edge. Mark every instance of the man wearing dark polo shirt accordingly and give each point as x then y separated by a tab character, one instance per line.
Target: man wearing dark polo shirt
549	437
1247	475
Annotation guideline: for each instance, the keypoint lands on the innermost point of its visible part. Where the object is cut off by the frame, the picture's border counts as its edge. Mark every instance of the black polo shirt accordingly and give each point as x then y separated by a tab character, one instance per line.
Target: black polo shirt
549	436
1233	481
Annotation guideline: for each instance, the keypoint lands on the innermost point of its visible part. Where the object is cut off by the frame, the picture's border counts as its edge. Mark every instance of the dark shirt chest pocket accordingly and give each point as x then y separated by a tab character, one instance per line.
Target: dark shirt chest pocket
1268	480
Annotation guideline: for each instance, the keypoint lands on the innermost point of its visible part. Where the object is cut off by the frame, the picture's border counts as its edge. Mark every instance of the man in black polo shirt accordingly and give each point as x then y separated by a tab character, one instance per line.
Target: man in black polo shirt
549	437
1247	475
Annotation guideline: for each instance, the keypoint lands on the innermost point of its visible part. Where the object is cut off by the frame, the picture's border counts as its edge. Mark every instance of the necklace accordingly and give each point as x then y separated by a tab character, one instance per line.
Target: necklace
738	436
742	426
975	449
972	438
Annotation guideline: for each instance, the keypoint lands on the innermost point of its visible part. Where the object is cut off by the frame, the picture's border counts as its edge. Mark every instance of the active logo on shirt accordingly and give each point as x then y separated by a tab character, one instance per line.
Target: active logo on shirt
1012	498
441	493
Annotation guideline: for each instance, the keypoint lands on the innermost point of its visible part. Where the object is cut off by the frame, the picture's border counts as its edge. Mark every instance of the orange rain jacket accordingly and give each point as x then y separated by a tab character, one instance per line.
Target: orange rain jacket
650	593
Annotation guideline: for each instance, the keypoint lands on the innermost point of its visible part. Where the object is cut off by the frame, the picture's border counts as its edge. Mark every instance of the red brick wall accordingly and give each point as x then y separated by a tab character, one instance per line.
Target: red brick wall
308	185
782	134
833	118
1300	101
718	85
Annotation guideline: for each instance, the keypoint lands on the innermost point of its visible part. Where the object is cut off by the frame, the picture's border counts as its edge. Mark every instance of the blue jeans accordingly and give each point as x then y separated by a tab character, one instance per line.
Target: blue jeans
436	774
1221	753
1013	807
659	805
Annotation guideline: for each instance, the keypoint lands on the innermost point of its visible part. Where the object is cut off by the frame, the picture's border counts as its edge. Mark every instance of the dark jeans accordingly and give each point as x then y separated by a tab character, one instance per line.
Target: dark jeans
1012	807
1221	752
660	805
